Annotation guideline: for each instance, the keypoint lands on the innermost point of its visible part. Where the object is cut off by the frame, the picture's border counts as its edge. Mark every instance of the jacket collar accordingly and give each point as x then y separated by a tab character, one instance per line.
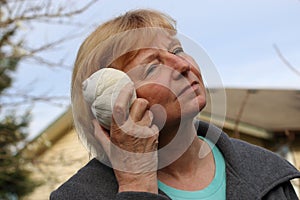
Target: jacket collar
248	167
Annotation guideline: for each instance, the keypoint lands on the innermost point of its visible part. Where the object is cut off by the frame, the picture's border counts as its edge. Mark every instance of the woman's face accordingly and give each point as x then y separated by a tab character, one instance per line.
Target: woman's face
168	77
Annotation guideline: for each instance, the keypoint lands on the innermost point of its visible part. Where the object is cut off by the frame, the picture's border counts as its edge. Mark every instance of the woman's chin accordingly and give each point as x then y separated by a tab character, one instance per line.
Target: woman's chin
193	108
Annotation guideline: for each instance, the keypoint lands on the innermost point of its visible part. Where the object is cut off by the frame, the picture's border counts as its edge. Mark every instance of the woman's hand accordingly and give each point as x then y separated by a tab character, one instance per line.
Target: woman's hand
132	143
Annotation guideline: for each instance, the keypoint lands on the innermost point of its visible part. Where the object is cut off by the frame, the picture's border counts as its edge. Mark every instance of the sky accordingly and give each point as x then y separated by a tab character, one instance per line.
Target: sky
238	35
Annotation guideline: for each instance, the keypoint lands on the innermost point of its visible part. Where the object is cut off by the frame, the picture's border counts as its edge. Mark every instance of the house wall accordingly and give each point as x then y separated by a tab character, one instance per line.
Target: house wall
294	158
57	164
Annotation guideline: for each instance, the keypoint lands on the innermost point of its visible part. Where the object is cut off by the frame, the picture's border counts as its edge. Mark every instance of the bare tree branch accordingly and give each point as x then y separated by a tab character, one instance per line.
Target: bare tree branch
19	8
285	61
31	53
60	22
33	15
52	44
23	98
44	62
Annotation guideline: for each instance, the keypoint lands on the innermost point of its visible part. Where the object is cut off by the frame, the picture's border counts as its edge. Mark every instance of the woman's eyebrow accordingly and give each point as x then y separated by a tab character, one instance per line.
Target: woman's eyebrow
149	58
173	43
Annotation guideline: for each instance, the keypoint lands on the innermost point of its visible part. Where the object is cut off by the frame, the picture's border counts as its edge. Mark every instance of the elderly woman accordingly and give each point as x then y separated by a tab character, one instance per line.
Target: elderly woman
154	148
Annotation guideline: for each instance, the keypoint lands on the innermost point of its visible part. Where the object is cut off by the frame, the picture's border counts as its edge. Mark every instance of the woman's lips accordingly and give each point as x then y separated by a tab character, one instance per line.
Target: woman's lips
193	87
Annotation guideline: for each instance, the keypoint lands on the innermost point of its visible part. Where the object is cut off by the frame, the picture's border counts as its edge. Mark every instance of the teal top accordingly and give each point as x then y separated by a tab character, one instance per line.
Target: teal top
215	190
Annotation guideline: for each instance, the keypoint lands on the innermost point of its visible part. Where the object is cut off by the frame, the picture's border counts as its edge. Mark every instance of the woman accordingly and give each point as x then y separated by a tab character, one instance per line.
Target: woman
154	148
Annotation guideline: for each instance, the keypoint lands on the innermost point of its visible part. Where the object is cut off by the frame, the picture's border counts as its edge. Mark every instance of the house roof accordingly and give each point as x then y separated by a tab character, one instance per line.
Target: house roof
272	110
49	135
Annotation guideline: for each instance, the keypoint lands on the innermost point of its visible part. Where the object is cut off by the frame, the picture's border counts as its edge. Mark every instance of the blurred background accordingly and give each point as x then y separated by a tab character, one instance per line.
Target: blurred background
254	46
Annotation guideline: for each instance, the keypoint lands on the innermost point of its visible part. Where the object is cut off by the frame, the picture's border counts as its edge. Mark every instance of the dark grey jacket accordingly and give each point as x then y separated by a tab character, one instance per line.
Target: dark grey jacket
251	173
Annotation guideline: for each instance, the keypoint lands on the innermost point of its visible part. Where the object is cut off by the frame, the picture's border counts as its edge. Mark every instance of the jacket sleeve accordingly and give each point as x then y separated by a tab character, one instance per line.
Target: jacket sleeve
284	191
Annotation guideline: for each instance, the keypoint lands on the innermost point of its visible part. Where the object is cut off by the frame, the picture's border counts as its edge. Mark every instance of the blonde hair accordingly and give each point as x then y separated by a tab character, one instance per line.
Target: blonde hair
108	46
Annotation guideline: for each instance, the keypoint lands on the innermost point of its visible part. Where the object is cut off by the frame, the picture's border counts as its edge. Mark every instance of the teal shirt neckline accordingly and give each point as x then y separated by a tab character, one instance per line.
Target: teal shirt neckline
216	189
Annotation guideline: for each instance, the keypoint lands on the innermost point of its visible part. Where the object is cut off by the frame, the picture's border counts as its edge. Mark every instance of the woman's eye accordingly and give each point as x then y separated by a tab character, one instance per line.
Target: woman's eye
177	50
151	69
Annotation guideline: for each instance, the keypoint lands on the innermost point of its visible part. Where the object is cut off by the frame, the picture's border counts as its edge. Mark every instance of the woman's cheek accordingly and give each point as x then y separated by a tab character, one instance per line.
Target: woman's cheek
151	92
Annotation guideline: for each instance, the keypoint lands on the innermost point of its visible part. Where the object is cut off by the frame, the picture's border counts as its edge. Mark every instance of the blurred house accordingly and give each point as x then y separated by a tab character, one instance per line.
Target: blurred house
268	118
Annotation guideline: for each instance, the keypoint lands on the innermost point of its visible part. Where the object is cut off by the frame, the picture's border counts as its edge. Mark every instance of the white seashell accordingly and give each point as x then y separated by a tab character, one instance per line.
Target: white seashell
100	91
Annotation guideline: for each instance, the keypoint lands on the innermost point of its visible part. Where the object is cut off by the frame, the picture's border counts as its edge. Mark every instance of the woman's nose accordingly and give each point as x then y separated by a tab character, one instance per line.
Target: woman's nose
180	65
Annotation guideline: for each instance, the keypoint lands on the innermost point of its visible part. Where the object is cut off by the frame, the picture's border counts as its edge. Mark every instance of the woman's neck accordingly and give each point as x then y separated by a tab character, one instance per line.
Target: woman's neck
189	168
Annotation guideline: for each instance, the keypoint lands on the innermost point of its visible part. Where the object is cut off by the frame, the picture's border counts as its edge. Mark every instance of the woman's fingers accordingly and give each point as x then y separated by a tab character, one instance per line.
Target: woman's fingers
138	109
146	119
121	106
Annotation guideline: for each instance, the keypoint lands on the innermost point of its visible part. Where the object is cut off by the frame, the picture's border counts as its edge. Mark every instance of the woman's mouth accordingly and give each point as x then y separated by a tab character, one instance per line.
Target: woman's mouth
189	88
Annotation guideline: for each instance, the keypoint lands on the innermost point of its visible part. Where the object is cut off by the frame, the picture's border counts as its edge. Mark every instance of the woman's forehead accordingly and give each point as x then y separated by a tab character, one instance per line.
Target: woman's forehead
159	44
143	53
142	57
165	42
156	39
